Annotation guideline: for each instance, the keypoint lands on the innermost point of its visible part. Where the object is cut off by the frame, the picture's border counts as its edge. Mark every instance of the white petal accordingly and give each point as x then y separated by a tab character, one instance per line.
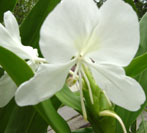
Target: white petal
121	89
67	29
7	89
117	32
13	44
11	24
34	66
47	81
10	39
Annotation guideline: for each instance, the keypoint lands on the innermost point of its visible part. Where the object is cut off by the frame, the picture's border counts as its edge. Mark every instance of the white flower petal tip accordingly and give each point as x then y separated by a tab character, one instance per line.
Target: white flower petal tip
48	80
10	38
118	37
11	25
7	89
121	89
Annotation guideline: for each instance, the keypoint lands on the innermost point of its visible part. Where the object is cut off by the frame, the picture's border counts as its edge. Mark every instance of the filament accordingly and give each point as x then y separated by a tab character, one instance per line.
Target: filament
88	84
114	115
76	71
81	97
107	98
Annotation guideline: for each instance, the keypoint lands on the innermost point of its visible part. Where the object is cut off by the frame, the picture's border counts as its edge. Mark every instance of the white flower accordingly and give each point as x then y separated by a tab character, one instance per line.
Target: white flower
7	89
104	39
10	39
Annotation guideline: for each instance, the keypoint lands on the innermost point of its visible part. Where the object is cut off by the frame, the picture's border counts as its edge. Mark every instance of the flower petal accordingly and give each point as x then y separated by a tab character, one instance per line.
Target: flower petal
12	43
11	25
7	89
47	81
65	28
117	32
121	89
9	42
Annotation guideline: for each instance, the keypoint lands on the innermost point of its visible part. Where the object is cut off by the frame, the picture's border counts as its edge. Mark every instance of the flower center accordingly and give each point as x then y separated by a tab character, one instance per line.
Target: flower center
80	57
80	73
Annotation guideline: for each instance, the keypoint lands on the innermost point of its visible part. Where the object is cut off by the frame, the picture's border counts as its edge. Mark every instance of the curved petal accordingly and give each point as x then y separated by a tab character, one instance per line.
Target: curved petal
121	89
47	81
117	32
11	25
7	89
67	29
12	43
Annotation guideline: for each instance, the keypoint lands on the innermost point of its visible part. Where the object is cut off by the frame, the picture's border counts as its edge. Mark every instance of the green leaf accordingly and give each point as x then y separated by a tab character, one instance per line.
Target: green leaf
138	65
142	127
30	28
84	130
143	33
134	126
25	120
48	112
15	119
1	72
67	97
6	5
17	68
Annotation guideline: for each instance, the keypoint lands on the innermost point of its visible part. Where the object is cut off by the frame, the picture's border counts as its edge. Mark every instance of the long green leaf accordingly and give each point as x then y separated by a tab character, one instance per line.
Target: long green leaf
46	108
69	98
6	5
15	67
142	127
1	72
84	130
14	119
143	33
138	65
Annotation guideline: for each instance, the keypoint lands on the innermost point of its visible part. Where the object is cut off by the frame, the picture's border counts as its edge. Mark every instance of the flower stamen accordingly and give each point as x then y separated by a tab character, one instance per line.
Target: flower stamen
82	97
89	87
76	70
114	115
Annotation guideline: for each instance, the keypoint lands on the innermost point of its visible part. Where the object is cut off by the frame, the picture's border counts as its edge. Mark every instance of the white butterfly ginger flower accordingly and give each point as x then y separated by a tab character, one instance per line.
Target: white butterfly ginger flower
105	40
10	39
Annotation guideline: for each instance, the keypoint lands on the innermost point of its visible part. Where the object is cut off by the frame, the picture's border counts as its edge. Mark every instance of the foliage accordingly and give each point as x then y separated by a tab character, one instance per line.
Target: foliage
22	9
